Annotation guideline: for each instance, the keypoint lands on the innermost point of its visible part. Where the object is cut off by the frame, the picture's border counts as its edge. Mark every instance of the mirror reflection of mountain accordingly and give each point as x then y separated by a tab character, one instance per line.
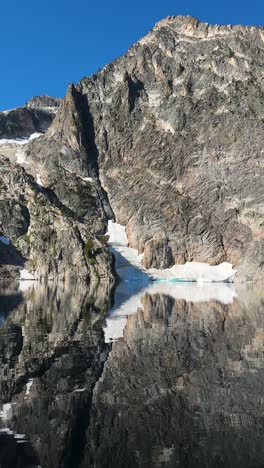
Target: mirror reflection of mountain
182	387
52	352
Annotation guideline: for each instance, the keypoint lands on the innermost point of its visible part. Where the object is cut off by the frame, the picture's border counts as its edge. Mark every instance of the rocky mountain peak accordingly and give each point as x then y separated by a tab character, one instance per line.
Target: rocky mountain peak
167	140
43	102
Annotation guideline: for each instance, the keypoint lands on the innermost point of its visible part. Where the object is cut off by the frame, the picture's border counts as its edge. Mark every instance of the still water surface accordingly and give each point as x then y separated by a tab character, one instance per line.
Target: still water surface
164	375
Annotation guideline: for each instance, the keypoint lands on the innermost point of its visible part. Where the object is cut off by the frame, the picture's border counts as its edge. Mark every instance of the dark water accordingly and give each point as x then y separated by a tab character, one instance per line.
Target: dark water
172	376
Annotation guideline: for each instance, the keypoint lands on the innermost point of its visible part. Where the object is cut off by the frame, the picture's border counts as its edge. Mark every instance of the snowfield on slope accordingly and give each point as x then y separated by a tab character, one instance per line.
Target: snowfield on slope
127	257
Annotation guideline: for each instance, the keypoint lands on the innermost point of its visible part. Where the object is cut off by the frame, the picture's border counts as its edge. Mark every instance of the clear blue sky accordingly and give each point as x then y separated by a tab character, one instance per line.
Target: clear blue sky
47	44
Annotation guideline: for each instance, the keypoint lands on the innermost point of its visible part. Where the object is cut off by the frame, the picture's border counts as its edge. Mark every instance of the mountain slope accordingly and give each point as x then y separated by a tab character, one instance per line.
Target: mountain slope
178	125
167	140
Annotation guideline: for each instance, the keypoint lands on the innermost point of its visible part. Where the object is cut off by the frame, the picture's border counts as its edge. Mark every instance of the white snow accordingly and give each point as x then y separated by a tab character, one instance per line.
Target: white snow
194	271
28	386
39	180
26	285
4	240
117	234
127	257
26	275
21	157
114	328
5	413
50	109
87	179
7	110
19	141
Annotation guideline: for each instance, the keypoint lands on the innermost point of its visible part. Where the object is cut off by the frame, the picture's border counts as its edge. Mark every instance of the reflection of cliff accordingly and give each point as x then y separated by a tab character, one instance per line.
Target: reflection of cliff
183	388
52	353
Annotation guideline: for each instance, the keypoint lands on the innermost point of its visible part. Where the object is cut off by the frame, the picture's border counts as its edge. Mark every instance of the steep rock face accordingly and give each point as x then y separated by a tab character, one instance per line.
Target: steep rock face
177	125
67	159
47	238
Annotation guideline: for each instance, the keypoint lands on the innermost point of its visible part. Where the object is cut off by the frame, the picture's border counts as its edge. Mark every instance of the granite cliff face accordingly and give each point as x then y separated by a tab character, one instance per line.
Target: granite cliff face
168	141
178	123
40	234
55	231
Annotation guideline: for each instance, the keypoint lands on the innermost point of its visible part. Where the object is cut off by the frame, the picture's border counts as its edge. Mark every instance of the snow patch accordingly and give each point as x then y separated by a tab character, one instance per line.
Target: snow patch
39	180
19	141
21	157
127	258
26	275
194	271
117	234
7	111
87	179
50	109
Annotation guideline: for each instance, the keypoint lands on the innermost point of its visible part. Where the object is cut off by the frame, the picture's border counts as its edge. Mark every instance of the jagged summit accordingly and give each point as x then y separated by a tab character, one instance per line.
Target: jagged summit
43	102
192	27
185	22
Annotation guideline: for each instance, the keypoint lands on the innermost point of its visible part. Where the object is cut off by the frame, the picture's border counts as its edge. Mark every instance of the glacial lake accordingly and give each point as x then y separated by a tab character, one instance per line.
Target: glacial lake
158	375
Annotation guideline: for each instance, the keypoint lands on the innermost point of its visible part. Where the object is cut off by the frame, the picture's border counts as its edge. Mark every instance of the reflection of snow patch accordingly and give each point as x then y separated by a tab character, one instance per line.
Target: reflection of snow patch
128	301
4	240
26	285
114	329
26	275
6	413
28	386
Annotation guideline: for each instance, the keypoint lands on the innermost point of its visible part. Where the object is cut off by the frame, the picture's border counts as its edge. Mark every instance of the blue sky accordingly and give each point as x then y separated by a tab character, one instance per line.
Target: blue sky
47	44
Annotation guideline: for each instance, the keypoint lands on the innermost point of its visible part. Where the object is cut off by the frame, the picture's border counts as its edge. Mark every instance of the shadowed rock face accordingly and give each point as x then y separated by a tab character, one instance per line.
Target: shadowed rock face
67	159
178	123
